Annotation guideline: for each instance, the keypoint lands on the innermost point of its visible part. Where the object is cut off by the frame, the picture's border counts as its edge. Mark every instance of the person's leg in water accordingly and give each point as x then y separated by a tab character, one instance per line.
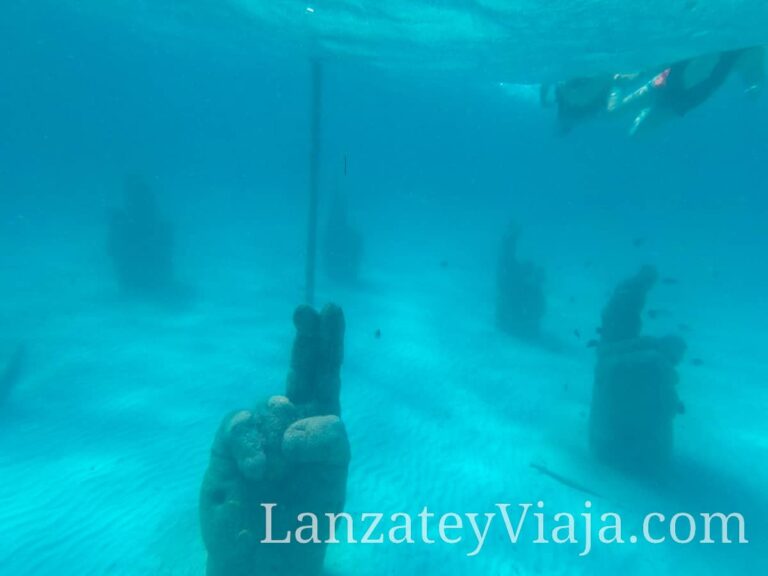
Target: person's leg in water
641	103
680	88
620	83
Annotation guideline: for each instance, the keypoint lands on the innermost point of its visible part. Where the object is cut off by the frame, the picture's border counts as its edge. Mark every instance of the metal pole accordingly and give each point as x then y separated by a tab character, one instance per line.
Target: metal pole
314	171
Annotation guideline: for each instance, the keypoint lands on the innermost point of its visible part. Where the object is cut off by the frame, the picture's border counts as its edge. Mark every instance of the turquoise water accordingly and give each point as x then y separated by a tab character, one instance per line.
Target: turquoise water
432	129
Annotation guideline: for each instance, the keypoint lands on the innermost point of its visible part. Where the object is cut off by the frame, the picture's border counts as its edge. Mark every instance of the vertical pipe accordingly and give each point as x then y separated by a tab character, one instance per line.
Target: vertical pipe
314	171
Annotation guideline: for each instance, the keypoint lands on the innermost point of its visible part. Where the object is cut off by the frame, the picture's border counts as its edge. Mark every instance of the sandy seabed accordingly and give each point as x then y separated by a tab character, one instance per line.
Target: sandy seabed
104	443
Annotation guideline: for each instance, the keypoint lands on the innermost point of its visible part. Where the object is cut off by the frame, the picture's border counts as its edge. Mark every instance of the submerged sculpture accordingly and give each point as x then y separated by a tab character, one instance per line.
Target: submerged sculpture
291	452
520	300
12	372
141	243
343	245
634	399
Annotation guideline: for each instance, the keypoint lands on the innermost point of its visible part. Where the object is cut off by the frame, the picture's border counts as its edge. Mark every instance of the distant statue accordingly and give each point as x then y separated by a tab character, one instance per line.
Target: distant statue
343	245
520	300
11	373
634	399
140	243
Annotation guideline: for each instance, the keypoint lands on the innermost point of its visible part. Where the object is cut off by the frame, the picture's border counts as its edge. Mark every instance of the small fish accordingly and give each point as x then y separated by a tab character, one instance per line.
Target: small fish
683	327
638	242
377	334
592	344
443	264
669	281
697	362
680	408
577	333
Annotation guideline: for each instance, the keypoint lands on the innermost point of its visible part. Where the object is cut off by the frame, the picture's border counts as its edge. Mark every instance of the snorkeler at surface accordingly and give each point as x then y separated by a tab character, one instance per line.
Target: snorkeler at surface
686	85
674	92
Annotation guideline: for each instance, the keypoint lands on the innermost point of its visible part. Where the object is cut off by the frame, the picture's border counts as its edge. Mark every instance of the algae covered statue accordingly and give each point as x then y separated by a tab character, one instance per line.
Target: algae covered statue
286	457
520	300
634	399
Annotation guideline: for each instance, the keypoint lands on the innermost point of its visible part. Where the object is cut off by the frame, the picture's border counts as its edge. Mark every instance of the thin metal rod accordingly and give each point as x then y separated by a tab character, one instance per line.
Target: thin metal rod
314	173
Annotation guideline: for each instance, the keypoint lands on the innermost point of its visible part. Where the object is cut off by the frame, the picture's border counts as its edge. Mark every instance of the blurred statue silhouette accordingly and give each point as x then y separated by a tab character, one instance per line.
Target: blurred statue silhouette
140	244
12	372
343	245
520	300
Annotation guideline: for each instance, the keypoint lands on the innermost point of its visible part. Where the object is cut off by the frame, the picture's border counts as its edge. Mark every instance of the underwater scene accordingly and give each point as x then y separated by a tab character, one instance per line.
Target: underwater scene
405	287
